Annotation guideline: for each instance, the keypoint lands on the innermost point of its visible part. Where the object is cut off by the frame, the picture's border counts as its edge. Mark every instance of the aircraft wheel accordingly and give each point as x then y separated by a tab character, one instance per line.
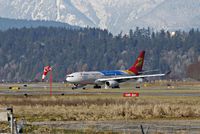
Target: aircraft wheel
97	86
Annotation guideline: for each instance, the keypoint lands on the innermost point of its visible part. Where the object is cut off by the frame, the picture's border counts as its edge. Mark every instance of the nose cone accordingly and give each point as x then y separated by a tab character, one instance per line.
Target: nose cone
67	79
73	78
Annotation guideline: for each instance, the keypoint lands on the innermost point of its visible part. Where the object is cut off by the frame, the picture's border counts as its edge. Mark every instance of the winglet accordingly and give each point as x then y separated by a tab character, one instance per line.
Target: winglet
168	72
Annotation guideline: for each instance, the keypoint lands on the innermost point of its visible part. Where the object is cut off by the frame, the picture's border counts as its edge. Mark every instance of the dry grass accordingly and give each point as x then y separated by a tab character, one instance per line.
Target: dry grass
4	127
100	107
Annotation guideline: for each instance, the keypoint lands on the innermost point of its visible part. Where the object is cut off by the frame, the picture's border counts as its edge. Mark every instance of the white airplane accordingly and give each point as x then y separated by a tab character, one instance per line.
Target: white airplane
110	79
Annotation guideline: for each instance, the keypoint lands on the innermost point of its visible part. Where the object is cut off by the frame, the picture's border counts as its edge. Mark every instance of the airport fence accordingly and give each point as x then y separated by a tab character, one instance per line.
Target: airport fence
7	118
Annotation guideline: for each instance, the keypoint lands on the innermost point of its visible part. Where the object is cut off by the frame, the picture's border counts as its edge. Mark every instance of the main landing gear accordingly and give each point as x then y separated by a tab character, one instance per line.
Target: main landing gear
97	86
76	86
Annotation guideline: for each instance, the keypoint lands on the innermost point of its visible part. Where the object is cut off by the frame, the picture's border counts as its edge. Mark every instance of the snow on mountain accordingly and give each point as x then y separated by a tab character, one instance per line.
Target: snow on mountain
115	15
173	15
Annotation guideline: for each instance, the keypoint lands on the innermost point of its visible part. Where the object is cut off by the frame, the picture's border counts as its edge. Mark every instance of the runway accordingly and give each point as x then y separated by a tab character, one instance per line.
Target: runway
153	126
62	89
167	93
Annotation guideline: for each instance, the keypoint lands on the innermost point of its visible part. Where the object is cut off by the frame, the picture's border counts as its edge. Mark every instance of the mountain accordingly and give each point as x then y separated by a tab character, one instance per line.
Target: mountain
114	15
14	23
173	15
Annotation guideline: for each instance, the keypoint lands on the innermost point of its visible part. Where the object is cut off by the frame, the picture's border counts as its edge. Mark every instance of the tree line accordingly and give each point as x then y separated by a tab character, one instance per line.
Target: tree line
24	52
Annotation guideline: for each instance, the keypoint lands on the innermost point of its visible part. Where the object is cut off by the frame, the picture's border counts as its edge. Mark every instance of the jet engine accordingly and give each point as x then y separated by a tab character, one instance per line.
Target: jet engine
140	80
111	84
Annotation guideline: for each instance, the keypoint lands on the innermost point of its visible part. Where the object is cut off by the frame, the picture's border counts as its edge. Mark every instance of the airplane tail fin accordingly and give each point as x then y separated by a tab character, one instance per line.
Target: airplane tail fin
137	66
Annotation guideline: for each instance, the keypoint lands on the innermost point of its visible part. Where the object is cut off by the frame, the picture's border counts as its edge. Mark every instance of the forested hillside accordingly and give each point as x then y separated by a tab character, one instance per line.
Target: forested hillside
24	52
6	24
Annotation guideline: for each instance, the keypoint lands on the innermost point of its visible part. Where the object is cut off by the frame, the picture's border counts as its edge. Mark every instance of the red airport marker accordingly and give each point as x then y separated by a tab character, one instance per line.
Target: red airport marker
131	94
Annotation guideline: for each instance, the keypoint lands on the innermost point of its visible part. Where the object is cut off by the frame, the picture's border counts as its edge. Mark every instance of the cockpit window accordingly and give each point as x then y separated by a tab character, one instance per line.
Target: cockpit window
70	76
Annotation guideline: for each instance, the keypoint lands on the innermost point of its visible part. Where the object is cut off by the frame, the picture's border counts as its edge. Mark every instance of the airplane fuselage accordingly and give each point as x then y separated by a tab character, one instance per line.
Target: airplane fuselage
91	76
110	79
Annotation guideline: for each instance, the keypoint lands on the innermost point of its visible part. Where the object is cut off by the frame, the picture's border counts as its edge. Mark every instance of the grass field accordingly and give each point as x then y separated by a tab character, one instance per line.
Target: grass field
104	107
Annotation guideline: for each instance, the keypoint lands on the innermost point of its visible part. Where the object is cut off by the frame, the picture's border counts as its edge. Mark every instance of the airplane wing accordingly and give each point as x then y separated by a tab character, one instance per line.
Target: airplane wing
148	71
130	77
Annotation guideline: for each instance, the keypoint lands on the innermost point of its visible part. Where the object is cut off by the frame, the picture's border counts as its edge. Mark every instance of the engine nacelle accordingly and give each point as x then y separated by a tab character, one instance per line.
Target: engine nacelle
111	84
140	80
